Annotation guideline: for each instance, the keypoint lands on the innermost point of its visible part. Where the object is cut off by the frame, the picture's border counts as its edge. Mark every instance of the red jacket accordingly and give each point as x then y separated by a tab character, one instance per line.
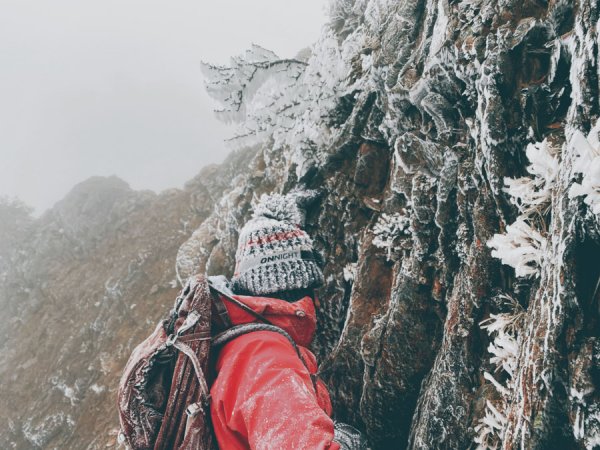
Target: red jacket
263	396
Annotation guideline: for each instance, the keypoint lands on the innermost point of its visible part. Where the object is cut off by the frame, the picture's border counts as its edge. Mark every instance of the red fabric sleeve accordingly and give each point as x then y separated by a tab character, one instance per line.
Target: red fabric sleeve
263	398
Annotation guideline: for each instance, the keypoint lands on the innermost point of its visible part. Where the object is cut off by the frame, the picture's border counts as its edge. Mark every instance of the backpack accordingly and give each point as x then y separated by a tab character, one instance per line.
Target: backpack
163	395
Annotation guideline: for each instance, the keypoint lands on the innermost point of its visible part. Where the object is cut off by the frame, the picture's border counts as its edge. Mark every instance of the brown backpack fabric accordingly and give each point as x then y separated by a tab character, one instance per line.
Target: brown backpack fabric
163	395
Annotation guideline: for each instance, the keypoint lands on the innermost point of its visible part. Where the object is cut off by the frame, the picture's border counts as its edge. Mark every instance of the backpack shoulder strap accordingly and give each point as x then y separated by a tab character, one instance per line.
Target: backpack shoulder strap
228	335
220	309
219	304
191	337
238	330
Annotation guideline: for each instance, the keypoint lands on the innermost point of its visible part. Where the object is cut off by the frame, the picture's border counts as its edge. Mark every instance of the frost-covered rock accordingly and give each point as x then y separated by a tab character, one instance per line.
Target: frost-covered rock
350	272
588	165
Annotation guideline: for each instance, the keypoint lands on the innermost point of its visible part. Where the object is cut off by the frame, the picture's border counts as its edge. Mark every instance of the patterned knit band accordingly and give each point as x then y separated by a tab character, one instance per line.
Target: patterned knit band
274	254
263	261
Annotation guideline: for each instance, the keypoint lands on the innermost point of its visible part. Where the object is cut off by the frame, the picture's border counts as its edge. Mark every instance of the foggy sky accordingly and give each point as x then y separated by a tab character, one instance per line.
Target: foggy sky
102	87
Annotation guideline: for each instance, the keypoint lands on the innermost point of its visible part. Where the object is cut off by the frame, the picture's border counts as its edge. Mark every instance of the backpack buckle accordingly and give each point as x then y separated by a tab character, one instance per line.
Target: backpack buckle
193	409
190	321
171	340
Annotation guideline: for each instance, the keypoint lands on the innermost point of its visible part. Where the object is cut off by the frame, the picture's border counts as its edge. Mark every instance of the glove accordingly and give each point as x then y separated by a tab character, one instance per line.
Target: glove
349	437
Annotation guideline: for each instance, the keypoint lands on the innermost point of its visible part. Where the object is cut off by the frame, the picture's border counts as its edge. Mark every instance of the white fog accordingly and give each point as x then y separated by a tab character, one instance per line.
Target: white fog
114	87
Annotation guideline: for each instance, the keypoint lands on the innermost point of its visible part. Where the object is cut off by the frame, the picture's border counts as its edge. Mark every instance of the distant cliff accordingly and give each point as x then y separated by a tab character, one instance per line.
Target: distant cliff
86	283
456	149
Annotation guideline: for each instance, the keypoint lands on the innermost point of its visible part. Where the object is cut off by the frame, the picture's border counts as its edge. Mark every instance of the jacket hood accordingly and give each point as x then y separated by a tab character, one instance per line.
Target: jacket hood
298	318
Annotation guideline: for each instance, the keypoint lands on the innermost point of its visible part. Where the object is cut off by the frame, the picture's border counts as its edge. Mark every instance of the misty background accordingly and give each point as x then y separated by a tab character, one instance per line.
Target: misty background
114	86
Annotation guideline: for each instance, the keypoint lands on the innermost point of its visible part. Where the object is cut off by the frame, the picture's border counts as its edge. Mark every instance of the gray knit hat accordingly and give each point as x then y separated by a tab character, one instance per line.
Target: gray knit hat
274	253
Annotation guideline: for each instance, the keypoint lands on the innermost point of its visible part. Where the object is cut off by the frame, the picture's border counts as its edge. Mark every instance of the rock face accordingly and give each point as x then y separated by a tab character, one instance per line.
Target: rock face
458	159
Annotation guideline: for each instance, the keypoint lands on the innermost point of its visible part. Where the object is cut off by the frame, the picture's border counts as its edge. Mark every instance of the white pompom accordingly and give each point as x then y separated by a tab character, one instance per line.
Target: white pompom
288	208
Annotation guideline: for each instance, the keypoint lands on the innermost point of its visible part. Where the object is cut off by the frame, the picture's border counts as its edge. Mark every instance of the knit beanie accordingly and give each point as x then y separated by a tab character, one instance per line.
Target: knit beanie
274	253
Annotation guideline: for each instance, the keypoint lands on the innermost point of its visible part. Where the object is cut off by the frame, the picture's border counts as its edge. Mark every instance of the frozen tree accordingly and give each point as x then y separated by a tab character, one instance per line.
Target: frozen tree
389	230
287	100
256	91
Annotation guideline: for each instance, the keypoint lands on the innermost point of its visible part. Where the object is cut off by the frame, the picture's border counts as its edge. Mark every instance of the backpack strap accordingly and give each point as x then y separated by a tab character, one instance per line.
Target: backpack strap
239	330
191	354
191	337
230	299
220	309
181	341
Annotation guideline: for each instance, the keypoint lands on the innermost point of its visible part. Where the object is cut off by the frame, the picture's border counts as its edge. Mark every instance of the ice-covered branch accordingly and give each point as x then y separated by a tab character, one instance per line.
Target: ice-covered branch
287	100
389	229
522	245
235	86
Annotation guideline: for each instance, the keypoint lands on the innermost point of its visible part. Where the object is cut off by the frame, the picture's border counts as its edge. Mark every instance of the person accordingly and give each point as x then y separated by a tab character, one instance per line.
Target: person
266	394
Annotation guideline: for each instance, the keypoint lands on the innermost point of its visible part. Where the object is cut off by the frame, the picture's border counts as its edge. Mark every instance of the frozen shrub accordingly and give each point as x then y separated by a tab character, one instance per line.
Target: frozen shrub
504	330
521	247
389	229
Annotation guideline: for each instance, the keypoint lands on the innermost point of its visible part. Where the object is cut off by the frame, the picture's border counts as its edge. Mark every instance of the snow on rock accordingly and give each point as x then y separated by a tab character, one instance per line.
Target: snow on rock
112	289
97	389
192	251
69	392
439	30
39	434
583	395
586	424
350	272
